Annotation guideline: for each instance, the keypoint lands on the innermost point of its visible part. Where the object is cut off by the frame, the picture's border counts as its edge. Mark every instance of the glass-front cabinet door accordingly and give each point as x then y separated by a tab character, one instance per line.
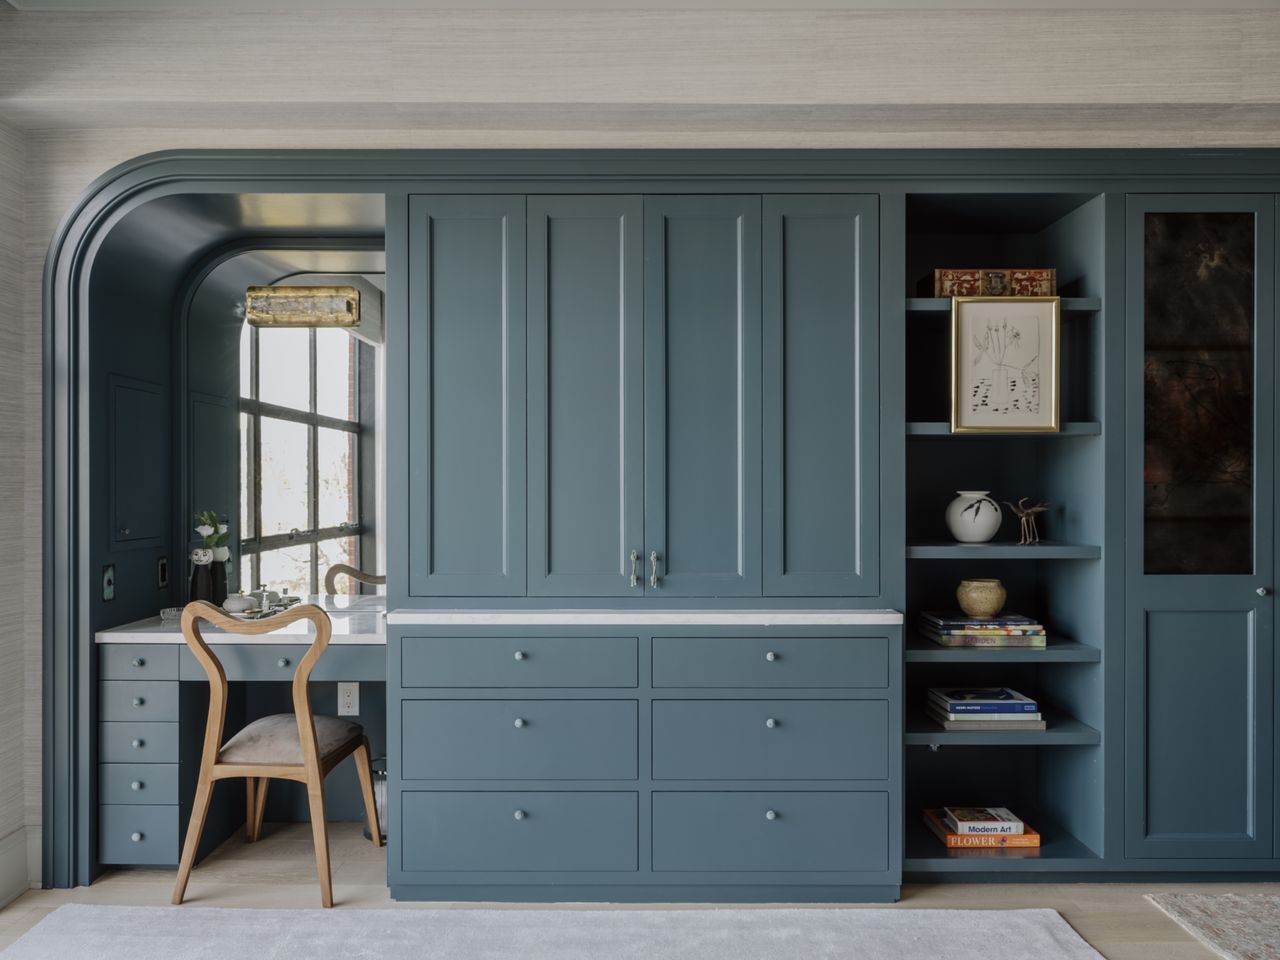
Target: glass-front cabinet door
1200	480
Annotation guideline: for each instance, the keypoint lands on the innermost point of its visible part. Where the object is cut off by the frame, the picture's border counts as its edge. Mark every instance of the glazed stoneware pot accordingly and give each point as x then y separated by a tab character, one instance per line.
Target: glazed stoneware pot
981	598
973	517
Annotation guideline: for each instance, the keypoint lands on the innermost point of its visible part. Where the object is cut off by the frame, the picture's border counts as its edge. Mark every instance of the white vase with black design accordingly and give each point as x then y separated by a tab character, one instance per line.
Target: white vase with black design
973	517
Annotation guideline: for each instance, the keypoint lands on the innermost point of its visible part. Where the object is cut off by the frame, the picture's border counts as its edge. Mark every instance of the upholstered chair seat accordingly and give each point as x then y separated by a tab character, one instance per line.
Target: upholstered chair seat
275	740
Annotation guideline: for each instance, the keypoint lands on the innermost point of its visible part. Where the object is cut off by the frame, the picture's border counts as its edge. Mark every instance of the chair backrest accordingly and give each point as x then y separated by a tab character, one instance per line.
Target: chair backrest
199	610
338	569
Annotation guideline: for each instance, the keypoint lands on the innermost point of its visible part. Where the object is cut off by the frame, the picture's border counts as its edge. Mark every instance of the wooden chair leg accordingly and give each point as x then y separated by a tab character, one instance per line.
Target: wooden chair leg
320	834
250	805
364	769
260	807
199	812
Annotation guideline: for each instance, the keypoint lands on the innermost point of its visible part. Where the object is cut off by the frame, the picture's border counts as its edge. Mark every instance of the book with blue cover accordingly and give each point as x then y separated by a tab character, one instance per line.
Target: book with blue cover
986	700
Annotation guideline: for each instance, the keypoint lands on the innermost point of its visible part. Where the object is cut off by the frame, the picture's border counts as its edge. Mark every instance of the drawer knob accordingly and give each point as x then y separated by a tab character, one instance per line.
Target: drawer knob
282	662
519	722
137	744
520	654
771	814
138	701
519	814
135	837
139	662
136	785
771	656
771	723
123	531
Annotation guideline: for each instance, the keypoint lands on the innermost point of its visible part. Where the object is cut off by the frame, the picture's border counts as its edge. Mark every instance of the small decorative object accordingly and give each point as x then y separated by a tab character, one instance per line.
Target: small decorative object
302	306
238	603
1004	364
1002	282
1027	531
981	598
210	583
973	517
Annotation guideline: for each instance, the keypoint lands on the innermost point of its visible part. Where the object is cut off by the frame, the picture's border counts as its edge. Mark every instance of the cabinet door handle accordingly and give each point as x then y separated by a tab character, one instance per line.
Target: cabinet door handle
1263	591
635	569
136	785
282	662
653	571
519	722
520	655
139	662
771	656
138	701
135	837
137	744
771	814
771	723
123	532
519	814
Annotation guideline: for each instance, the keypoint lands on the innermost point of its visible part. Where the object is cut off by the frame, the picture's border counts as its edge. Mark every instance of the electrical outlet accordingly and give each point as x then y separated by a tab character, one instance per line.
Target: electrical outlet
162	573
348	698
109	582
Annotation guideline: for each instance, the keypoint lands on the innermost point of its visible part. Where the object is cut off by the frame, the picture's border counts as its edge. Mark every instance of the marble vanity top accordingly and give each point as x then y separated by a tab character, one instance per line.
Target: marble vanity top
621	618
355	620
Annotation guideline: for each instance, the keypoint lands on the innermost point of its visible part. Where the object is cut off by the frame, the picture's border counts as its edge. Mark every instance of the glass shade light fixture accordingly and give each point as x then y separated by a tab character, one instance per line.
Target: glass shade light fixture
303	306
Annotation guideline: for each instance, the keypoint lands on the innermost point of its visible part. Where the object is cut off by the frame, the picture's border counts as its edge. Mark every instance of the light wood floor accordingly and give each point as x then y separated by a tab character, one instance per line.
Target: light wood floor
280	872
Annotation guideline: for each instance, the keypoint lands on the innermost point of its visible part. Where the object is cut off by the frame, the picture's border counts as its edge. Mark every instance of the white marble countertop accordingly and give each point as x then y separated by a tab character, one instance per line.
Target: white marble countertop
356	620
622	618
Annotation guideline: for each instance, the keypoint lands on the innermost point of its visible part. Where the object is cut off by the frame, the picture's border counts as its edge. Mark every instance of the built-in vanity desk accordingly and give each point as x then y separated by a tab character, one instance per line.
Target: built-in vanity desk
151	712
644	755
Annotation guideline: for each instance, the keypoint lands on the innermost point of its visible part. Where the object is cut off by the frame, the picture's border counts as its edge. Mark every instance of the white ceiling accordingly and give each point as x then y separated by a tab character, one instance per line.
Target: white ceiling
206	6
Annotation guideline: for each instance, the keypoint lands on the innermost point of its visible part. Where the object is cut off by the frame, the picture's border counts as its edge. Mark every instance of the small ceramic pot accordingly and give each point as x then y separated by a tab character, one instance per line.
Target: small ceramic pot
981	598
973	517
238	603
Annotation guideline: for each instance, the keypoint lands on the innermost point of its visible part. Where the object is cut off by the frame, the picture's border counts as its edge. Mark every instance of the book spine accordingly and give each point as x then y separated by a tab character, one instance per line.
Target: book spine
1003	828
960	841
981	717
987	631
969	640
1013	707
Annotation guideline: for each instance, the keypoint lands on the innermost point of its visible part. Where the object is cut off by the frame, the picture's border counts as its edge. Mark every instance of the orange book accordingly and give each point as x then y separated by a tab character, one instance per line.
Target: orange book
961	841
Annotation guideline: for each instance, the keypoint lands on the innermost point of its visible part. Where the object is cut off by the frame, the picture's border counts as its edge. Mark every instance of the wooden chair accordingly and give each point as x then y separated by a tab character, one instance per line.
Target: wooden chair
298	746
338	569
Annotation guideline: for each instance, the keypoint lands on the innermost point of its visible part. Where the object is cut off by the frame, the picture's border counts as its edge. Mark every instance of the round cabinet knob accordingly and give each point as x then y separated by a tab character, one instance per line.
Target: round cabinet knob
1263	591
124	531
520	654
135	837
771	814
282	662
519	722
136	785
771	656
139	662
771	723
138	701
137	744
519	814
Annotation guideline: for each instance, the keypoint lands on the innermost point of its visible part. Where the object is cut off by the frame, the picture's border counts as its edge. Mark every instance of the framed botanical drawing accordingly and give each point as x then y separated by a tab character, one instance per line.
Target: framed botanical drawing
1005	364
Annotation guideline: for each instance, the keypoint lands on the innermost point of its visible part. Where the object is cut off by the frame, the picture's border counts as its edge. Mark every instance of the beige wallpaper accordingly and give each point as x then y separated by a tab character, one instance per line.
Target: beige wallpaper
92	91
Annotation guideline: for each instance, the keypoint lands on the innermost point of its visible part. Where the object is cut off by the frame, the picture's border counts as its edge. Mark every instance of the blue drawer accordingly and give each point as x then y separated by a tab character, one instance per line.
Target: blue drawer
138	834
525	831
138	783
278	661
710	832
138	742
519	739
139	700
835	662
138	661
770	739
519	662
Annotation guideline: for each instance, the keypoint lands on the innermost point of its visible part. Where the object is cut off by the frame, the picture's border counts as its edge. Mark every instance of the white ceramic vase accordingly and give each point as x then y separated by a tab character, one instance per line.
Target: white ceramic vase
973	517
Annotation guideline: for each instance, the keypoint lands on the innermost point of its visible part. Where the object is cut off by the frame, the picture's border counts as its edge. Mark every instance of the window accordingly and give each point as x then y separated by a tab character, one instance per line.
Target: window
301	423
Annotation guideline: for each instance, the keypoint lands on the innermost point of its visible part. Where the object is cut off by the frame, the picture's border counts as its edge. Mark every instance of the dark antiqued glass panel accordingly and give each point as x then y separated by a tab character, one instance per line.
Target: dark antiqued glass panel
1198	369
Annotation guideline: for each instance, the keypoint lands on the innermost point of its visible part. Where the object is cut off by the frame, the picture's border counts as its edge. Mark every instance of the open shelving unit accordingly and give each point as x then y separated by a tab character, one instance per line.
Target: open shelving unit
1052	778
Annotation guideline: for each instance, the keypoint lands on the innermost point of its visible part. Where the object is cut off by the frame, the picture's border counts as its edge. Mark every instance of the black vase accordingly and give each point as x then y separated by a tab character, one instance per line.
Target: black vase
219	582
202	583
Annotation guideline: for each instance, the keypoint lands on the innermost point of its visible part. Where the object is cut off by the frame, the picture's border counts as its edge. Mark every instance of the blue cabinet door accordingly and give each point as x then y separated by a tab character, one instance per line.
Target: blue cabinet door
702	395
1199	638
821	415
586	421
466	396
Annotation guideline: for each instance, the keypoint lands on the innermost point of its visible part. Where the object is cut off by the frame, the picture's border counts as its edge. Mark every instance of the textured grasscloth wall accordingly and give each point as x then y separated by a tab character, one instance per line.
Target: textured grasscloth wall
92	91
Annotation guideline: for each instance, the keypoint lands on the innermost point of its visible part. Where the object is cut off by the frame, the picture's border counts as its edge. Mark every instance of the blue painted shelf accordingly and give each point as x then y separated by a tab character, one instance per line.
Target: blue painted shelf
1057	650
1061	731
1058	850
942	305
941	428
1044	550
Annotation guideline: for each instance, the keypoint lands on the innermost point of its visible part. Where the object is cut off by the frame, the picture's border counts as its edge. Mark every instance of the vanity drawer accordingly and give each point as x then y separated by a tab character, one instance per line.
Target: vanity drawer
138	834
848	662
138	783
770	739
138	661
519	662
278	661
519	739
138	700
138	742
708	832
535	830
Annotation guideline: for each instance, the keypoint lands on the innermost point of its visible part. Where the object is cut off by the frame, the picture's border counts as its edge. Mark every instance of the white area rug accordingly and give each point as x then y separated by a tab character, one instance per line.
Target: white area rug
1240	926
195	933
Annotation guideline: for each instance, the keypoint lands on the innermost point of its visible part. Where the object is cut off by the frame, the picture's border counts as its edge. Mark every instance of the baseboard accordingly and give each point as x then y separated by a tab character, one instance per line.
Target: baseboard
15	878
35	857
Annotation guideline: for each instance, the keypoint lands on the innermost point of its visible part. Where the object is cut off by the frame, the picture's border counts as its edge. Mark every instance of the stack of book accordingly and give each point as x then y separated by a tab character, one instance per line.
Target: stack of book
979	827
954	629
983	708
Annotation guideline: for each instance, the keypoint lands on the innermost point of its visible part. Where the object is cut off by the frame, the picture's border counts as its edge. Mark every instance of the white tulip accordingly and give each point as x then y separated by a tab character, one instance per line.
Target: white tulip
204	530
222	528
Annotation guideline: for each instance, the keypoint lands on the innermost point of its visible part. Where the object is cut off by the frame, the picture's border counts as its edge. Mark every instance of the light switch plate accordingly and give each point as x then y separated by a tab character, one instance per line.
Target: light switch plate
348	698
109	582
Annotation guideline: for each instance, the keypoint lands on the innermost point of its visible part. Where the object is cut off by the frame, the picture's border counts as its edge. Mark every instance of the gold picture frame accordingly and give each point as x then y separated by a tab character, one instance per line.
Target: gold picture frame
999	368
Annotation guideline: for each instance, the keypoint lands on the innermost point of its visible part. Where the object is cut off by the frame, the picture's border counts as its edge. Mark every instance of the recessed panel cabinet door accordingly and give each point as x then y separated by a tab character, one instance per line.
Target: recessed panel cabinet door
139	484
821	418
1199	638
702	396
466	396
586	421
